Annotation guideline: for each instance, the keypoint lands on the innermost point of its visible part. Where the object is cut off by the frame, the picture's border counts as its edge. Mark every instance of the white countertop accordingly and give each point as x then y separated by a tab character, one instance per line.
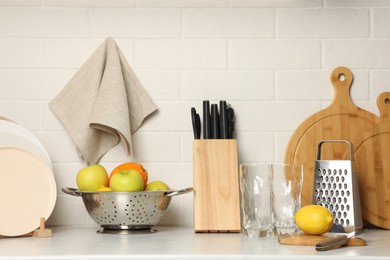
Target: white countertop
178	243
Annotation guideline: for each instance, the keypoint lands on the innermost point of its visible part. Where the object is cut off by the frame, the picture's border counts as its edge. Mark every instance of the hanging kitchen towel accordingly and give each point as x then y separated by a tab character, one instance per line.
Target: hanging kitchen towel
103	104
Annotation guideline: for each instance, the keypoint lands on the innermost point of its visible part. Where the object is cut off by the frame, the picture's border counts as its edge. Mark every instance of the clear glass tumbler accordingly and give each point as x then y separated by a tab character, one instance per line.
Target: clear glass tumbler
286	192
256	200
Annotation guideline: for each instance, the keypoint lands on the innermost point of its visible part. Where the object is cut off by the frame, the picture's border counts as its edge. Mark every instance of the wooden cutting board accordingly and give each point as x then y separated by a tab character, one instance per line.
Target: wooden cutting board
341	120
372	161
312	240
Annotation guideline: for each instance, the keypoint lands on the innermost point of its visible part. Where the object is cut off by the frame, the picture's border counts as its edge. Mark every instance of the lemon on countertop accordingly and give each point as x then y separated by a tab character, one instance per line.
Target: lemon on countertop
314	219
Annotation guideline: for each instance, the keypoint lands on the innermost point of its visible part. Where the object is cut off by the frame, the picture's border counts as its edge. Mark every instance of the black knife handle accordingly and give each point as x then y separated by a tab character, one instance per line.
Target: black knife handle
206	120
230	113
214	122
223	120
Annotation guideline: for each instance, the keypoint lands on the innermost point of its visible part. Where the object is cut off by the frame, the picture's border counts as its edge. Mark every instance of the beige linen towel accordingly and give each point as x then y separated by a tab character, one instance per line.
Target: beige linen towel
103	104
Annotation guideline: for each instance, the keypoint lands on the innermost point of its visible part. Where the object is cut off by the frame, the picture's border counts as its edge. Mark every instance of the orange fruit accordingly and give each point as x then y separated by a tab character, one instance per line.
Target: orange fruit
132	166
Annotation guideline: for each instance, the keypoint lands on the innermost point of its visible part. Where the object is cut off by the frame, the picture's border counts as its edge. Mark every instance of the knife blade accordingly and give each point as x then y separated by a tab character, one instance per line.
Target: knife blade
336	241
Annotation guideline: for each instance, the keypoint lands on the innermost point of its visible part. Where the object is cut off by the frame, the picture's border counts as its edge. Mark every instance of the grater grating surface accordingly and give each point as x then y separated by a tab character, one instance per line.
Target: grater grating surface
335	187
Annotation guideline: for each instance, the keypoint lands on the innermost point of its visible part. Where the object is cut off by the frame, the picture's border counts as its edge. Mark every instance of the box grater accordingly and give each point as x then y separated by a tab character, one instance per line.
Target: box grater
336	188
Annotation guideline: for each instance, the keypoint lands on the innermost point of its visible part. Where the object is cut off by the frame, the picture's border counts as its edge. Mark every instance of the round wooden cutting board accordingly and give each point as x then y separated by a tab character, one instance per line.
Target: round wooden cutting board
372	160
341	120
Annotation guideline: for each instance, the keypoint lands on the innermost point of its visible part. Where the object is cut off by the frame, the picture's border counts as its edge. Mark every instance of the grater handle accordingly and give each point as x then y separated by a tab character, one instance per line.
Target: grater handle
334	141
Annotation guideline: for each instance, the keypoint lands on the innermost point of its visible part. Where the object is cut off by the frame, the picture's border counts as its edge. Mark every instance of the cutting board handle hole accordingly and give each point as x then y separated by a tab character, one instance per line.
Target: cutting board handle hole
341	77
387	100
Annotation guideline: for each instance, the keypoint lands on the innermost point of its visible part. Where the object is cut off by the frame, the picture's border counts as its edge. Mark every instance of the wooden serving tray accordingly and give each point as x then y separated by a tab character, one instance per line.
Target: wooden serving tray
341	120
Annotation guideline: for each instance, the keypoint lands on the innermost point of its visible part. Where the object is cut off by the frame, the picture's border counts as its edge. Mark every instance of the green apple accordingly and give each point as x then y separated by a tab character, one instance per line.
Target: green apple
127	180
157	185
91	178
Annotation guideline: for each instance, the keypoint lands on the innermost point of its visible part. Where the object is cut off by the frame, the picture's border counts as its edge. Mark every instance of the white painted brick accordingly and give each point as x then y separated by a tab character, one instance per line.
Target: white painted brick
357	54
156	147
26	113
316	85
59	146
187	210
72	53
228	23
65	174
181	3
43	22
176	175
171	116
274	54
322	23
356	3
20	53
281	142
380	82
381	20
275	3
32	84
228	84
180	54
161	85
69	211
187	145
50	122
255	147
119	154
21	2
135	23
90	3
268	116
147	147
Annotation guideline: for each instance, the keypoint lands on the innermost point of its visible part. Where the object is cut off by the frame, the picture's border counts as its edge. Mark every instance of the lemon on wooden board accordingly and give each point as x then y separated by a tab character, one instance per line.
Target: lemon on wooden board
314	219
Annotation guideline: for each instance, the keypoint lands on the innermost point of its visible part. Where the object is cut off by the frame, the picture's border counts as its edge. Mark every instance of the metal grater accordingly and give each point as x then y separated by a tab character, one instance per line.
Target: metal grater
336	188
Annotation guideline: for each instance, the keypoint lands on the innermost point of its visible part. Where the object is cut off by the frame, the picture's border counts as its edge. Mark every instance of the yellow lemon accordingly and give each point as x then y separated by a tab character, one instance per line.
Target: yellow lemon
314	219
103	188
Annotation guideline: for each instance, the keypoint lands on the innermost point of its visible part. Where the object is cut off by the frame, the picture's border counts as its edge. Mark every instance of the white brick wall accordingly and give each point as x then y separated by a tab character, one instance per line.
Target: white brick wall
271	59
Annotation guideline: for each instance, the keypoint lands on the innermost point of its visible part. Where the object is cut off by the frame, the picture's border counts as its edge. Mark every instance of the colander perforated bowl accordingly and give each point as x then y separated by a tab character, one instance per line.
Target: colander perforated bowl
126	212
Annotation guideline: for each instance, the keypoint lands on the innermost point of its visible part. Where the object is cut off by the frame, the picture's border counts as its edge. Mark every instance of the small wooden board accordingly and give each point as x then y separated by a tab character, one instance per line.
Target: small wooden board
302	239
342	120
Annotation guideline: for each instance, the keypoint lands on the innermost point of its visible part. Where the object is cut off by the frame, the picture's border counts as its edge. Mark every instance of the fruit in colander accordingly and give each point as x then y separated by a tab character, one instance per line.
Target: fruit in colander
157	185
127	180
91	178
131	166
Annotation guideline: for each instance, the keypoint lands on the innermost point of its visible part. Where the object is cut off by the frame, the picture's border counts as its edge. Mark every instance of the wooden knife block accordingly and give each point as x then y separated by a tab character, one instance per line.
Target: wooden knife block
216	186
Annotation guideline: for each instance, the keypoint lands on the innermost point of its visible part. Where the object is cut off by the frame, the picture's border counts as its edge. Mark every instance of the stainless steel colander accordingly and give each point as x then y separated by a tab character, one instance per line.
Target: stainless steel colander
126	212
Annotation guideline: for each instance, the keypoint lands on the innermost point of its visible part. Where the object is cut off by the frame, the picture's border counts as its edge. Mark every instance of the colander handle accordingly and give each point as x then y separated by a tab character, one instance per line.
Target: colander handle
178	192
334	141
72	191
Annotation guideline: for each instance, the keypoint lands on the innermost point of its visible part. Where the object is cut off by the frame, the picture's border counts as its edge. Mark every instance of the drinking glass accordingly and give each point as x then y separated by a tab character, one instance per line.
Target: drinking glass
256	200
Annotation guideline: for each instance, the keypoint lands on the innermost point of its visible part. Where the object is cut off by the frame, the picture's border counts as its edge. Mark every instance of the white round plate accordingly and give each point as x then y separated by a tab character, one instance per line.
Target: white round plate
12	134
28	191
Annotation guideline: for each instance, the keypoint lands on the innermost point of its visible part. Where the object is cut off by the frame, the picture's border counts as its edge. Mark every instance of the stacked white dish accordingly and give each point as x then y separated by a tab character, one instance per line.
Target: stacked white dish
28	190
